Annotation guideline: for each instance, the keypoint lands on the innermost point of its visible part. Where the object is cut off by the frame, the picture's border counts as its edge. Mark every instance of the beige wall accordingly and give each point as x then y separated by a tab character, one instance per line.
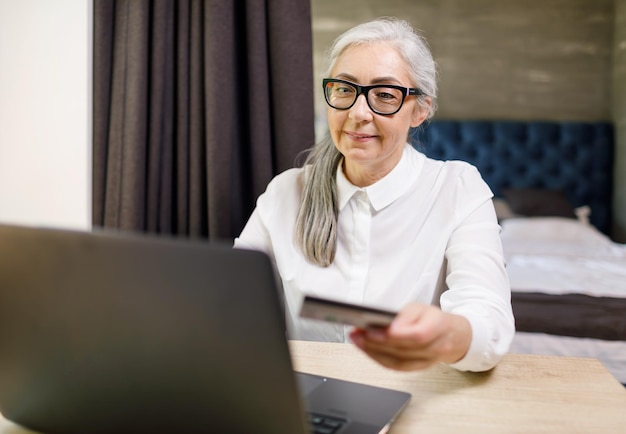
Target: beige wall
619	117
45	112
509	59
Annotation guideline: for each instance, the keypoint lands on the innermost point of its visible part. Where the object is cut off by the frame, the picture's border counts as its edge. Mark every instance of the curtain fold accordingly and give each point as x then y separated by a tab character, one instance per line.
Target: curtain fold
197	105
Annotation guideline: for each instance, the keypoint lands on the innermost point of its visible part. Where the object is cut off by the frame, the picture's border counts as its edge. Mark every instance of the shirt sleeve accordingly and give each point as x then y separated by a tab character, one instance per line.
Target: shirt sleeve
476	278
273	218
255	234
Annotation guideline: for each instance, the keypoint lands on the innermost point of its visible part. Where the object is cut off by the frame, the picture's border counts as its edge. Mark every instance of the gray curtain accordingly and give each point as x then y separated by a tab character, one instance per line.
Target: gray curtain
197	104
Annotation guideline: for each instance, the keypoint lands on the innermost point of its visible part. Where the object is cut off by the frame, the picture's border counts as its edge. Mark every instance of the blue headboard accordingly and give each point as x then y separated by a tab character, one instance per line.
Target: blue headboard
575	157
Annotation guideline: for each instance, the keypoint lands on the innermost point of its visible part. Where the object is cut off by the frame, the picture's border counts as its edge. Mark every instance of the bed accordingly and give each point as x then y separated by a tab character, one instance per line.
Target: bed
553	184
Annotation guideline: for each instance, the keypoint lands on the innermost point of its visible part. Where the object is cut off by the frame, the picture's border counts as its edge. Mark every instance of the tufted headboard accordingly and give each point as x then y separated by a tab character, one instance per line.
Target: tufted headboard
575	157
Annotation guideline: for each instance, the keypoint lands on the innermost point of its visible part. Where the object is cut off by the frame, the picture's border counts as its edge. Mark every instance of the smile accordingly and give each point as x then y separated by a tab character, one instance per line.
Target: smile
357	136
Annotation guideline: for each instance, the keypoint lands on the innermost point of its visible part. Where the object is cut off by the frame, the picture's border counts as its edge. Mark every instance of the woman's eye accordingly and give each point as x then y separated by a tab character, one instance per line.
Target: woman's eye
383	95
344	90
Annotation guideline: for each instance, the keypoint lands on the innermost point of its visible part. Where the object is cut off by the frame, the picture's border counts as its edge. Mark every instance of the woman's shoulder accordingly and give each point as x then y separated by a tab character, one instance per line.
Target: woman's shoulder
453	168
282	195
462	168
286	181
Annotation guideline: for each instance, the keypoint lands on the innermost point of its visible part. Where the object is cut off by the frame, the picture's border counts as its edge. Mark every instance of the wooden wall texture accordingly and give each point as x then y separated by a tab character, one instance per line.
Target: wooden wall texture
619	117
513	59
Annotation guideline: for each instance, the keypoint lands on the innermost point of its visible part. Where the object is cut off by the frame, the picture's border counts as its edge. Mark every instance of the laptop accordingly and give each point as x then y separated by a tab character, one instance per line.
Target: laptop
104	332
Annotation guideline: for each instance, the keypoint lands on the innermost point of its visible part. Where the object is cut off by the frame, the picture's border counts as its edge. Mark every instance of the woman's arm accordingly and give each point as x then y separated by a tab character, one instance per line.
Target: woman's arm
474	327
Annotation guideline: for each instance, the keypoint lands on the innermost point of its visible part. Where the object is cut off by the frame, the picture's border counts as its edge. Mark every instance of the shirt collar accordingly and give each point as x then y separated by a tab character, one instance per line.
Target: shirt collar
388	189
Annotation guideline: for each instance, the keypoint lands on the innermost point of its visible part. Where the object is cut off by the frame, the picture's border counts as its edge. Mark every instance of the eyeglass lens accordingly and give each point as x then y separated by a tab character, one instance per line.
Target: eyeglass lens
381	99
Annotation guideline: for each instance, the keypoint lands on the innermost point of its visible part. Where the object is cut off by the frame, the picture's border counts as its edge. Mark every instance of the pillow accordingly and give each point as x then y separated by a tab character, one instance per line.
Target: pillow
503	210
583	213
534	202
552	229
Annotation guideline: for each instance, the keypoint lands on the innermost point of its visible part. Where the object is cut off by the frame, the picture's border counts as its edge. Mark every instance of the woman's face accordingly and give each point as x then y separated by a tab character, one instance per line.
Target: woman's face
372	144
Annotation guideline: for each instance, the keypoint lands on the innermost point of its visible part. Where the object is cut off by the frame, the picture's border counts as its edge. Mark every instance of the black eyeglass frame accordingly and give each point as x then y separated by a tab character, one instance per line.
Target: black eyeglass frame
406	91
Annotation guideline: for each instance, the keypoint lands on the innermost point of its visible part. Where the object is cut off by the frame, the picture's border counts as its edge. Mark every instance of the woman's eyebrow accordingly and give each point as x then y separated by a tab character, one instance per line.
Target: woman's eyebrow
377	80
386	80
347	77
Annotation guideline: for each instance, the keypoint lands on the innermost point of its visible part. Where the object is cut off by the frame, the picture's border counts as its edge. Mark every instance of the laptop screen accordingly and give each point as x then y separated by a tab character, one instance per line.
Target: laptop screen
110	332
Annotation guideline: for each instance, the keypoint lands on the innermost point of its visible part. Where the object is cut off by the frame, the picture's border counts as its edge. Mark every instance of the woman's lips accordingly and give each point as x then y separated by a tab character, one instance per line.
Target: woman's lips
360	137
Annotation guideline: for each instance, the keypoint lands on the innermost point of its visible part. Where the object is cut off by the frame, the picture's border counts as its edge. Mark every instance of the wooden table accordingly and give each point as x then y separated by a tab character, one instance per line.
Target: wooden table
523	394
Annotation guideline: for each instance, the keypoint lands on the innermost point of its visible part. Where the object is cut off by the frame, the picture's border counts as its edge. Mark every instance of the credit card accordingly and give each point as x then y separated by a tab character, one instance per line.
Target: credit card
345	313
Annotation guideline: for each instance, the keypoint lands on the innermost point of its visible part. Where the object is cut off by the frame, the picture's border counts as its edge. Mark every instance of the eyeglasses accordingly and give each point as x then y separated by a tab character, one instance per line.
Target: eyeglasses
386	99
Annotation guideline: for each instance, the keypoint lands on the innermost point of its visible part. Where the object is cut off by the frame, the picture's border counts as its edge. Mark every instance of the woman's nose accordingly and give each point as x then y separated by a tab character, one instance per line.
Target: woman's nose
360	110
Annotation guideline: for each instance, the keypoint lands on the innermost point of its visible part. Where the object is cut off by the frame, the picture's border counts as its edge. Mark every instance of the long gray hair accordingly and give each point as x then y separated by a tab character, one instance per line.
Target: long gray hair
316	226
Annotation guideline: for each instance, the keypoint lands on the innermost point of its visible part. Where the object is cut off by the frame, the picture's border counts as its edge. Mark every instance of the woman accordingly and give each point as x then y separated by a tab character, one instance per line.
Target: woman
370	220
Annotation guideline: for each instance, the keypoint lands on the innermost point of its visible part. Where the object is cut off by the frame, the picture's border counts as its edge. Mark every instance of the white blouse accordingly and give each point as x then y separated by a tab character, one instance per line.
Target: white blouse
427	232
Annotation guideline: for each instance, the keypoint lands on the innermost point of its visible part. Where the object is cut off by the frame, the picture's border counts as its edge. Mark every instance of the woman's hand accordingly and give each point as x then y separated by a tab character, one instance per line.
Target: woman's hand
418	337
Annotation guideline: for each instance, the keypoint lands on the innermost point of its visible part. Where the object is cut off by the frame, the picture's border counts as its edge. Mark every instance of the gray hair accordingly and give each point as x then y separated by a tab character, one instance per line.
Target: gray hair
316	225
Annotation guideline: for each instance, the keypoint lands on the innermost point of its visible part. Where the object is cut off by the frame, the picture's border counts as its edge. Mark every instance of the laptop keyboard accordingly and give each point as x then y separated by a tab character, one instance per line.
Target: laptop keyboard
321	424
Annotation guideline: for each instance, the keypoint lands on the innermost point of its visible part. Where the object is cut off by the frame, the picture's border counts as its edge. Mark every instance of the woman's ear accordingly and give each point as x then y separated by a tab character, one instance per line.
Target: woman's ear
420	111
